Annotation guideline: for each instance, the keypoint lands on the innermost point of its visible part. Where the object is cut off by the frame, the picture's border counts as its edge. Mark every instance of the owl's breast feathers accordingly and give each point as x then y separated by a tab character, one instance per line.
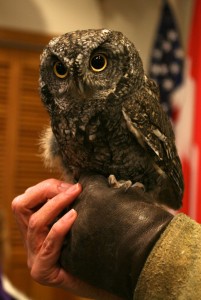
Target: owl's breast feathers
101	143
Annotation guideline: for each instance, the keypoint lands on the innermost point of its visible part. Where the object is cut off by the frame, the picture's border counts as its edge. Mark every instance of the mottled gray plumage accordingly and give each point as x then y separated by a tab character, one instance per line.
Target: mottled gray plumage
105	113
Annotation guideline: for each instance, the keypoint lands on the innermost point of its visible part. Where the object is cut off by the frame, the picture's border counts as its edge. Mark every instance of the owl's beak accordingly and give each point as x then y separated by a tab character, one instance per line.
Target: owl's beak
81	88
76	87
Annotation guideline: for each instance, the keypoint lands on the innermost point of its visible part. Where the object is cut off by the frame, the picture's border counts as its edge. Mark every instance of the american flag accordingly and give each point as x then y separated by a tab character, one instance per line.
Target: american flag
167	59
179	79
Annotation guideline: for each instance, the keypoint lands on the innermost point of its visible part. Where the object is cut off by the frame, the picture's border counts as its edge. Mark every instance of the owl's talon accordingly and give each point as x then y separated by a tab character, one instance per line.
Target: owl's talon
138	185
113	182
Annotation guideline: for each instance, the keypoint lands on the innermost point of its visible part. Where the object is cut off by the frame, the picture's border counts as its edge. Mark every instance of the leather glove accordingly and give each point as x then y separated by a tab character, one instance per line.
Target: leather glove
112	236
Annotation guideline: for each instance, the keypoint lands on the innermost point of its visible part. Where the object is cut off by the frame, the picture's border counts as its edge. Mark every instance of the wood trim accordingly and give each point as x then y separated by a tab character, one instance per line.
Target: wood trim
23	40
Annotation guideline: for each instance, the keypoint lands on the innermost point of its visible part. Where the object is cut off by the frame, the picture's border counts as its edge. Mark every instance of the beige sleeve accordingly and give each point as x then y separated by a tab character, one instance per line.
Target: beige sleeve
173	268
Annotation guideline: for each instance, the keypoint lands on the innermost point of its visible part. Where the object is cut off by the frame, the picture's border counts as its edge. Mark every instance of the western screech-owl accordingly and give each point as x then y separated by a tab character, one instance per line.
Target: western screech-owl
105	113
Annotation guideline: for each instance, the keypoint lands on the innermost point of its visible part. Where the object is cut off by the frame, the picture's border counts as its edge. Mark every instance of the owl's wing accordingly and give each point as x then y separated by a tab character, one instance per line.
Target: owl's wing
147	121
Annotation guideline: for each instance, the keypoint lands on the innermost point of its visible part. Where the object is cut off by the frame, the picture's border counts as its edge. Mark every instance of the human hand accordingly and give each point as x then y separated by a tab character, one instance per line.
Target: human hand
36	211
112	236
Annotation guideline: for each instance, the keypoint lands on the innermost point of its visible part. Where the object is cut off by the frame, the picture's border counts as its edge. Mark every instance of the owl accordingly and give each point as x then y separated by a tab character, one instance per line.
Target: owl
105	115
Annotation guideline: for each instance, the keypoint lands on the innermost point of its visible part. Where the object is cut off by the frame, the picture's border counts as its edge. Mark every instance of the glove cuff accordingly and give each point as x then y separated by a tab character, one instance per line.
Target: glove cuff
136	246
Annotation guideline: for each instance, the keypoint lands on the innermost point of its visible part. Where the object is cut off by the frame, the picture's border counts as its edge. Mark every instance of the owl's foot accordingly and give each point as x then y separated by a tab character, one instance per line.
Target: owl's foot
138	185
126	184
113	182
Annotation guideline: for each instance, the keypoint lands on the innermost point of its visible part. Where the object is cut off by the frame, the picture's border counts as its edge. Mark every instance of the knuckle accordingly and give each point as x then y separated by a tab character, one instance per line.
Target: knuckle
16	205
48	247
33	223
55	230
29	263
35	274
49	186
50	182
43	186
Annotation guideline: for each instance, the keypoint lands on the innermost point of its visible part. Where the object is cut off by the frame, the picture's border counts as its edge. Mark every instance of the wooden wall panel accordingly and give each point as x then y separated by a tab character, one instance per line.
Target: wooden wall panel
22	118
4	90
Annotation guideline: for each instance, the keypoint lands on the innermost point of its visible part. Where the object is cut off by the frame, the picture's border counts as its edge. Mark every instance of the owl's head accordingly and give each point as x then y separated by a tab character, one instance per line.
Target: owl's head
88	65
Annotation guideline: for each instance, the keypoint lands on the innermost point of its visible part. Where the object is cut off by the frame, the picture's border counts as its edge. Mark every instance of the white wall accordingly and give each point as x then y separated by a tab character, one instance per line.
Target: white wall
50	16
136	18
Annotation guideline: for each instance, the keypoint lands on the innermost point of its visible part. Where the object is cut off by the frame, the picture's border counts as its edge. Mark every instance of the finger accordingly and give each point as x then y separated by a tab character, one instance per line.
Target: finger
44	267
39	222
52	245
38	194
22	205
51	209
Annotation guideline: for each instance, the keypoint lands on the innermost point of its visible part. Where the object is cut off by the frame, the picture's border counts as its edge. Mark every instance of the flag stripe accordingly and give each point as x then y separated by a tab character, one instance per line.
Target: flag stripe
195	54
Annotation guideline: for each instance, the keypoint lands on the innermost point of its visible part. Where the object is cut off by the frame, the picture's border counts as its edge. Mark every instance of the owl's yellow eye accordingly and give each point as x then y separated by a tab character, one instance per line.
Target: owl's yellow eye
60	70
98	62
